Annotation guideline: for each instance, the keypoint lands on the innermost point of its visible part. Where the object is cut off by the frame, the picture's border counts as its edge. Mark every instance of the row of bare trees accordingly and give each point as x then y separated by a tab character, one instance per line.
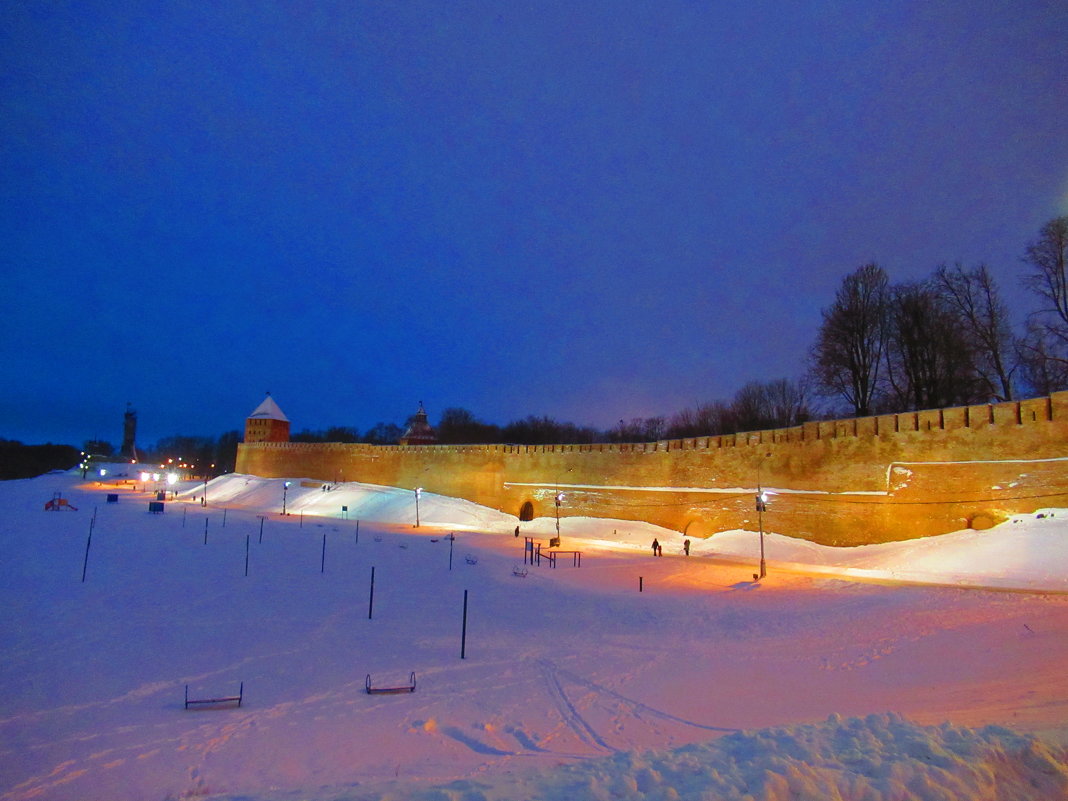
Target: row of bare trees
944	341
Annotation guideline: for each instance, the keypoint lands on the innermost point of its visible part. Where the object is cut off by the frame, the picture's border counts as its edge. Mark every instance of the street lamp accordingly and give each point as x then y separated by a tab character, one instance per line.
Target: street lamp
761	507
559	500
285	489
418	492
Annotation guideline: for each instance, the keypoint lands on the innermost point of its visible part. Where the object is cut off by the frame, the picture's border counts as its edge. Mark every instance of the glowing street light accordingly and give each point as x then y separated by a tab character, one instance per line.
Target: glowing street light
285	489
761	507
418	492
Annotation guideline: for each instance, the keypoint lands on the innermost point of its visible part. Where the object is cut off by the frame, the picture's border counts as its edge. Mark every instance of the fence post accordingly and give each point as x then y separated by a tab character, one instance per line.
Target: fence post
85	562
371	600
463	632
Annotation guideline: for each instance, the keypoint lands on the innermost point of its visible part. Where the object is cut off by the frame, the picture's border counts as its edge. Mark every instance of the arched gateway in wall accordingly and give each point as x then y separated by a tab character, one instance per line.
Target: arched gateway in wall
526	511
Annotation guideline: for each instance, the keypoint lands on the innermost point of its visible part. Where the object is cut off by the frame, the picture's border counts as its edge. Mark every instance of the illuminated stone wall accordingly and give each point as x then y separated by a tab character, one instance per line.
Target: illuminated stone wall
841	482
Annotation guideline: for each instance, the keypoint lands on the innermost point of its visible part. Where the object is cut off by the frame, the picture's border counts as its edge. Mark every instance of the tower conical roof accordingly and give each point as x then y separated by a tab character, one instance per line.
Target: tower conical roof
268	410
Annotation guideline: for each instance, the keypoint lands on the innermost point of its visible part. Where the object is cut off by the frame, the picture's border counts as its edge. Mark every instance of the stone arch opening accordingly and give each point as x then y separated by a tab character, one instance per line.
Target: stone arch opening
526	511
698	527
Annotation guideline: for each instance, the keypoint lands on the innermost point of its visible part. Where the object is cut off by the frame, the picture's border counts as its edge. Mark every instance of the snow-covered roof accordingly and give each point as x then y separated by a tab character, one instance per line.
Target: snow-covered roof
268	410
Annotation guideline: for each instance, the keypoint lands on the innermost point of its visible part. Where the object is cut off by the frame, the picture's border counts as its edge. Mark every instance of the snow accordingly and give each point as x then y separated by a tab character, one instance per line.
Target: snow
835	677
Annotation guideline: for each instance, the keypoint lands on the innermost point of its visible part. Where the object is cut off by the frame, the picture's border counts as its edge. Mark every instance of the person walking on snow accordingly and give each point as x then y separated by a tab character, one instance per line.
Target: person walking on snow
656	547
686	547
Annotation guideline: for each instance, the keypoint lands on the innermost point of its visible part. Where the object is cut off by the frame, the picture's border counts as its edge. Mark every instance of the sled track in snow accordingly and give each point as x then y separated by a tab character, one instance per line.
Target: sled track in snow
637	706
572	717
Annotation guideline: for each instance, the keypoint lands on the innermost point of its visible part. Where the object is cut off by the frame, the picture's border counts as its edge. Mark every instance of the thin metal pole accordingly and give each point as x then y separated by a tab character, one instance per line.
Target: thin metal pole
463	632
85	562
322	562
205	531
224	519
261	528
357	532
247	537
371	600
452	539
639	583
760	517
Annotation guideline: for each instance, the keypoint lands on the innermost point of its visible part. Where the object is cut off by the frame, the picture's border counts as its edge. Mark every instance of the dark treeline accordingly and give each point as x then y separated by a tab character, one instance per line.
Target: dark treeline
757	405
26	461
205	455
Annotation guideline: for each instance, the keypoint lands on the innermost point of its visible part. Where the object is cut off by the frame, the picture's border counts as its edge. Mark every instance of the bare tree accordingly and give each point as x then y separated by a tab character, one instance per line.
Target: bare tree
1044	348
849	347
1048	258
749	409
1042	359
974	298
928	358
787	402
769	404
705	420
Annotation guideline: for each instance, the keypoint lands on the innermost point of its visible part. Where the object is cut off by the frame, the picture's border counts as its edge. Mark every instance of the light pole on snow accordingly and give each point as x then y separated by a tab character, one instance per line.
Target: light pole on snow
761	507
418	492
559	500
285	491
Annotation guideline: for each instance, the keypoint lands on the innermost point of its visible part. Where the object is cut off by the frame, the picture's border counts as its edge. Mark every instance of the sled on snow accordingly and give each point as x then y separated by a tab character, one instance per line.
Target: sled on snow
392	688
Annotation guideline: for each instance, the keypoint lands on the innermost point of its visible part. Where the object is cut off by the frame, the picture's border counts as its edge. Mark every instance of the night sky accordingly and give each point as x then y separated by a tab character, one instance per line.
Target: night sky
587	210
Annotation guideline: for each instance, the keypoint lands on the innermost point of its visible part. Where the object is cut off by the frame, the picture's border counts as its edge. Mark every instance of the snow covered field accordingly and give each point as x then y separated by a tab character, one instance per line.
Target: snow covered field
574	684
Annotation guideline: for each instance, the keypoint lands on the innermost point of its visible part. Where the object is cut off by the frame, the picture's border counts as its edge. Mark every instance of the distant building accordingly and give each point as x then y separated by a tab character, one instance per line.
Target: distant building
129	434
267	423
419	431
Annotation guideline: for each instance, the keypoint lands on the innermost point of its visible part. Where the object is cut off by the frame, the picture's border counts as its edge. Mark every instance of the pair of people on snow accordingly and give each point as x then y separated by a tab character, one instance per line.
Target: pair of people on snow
658	549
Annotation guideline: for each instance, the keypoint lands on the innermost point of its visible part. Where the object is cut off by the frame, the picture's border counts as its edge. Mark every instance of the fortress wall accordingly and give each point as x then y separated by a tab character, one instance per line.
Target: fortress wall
869	479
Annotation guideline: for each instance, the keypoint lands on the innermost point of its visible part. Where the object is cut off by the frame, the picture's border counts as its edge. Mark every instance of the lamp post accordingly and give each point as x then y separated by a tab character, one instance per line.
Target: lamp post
285	490
559	500
761	507
418	492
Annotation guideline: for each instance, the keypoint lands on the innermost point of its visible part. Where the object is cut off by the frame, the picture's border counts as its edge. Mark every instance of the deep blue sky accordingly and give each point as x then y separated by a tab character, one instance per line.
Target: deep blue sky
589	210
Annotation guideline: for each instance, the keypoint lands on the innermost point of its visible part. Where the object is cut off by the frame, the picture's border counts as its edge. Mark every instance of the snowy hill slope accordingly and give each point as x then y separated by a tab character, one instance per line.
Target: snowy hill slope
564	667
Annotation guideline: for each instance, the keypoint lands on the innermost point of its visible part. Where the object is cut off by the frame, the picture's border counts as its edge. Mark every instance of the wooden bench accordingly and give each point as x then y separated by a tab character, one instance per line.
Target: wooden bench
226	699
391	689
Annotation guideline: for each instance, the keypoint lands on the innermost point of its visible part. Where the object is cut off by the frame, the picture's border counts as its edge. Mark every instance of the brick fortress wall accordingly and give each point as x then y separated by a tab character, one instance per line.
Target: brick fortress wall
840	482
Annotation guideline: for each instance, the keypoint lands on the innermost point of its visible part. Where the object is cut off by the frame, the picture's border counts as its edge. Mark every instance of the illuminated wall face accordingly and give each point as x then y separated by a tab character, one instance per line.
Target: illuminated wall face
266	430
836	482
